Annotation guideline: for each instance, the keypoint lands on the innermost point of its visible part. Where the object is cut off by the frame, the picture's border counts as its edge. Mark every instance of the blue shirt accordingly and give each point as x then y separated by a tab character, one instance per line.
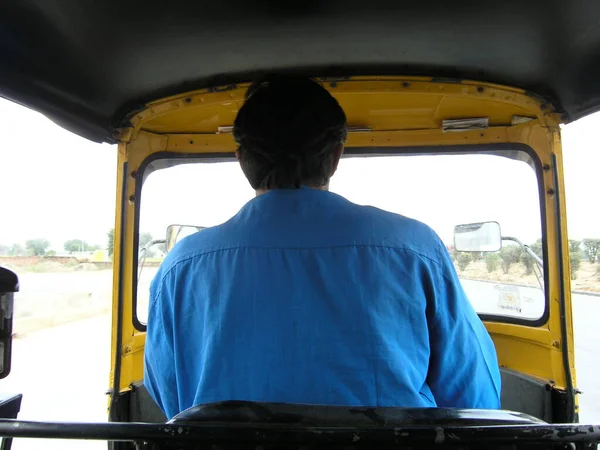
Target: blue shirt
305	297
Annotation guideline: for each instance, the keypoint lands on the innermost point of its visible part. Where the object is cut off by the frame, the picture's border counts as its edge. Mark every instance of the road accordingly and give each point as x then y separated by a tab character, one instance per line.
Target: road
63	375
63	372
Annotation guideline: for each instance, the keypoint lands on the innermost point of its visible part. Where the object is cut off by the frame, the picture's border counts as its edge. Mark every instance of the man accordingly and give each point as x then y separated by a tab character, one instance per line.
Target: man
304	297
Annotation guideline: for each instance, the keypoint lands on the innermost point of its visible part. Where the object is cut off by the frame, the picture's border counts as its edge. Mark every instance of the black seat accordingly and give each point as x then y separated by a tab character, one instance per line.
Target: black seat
310	415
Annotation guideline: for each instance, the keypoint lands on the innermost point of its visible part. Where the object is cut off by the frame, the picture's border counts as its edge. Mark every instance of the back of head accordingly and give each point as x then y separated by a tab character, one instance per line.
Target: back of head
289	133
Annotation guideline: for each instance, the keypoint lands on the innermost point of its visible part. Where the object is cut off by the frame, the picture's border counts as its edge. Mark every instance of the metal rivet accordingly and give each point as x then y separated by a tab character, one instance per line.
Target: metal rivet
480	89
188	100
191	142
134	174
406	84
333	84
550	191
546	167
132	198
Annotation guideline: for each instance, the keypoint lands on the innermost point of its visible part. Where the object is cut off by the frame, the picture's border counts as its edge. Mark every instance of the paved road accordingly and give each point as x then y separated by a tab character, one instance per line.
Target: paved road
63	375
63	372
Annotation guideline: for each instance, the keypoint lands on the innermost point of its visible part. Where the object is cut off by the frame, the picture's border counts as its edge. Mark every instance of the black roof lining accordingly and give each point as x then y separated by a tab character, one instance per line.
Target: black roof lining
87	64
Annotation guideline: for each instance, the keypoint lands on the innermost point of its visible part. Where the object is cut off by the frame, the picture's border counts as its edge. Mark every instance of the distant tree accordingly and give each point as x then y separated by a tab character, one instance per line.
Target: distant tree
509	255
93	248
537	248
463	260
144	239
574	246
37	247
4	250
76	245
111	242
50	253
452	254
491	262
591	247
575	264
476	256
575	257
16	250
527	261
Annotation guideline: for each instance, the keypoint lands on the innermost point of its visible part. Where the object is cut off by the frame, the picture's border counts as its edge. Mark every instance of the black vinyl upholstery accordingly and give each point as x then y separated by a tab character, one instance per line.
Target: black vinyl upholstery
520	394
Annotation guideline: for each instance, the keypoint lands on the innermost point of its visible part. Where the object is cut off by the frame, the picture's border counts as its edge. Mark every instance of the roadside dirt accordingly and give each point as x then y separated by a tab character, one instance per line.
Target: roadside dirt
588	276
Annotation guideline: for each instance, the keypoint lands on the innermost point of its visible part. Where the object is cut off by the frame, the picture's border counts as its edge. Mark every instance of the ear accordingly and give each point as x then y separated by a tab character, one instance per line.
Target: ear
339	151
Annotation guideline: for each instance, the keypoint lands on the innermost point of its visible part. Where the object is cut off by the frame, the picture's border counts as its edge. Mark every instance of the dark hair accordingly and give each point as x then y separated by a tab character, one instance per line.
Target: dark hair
288	131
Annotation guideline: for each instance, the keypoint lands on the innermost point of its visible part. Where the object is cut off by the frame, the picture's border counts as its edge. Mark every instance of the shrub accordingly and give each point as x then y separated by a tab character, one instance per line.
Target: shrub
492	260
527	261
463	260
574	257
536	247
509	255
591	248
476	256
575	264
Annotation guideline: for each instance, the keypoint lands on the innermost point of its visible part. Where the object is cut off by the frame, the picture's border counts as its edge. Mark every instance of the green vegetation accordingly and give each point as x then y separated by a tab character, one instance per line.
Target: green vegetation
528	262
144	239
37	247
476	256
509	255
591	248
111	242
575	257
78	245
463	260
16	250
537	248
492	261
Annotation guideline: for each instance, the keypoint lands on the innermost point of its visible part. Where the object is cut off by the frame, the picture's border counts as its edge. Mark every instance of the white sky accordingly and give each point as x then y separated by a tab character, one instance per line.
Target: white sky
441	191
56	185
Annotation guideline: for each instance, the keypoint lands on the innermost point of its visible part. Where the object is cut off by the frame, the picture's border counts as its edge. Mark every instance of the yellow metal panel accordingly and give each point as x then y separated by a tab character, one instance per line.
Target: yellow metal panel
400	113
380	104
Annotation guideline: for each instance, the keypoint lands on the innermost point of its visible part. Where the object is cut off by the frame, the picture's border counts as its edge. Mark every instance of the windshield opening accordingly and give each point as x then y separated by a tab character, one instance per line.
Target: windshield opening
443	190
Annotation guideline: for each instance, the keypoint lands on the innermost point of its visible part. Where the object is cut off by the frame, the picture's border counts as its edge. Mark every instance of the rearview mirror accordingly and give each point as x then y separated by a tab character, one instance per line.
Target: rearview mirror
478	237
176	233
9	284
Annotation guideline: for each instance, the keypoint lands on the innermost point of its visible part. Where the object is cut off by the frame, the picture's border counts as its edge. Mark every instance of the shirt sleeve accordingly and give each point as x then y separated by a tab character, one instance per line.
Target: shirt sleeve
159	367
463	369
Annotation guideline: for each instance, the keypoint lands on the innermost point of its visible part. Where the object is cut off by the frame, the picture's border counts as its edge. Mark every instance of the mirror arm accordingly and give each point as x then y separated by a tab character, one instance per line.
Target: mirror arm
151	243
144	251
526	248
531	253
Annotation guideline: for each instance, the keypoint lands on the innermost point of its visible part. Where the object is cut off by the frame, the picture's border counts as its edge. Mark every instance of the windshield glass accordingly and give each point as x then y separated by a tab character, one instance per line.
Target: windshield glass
443	191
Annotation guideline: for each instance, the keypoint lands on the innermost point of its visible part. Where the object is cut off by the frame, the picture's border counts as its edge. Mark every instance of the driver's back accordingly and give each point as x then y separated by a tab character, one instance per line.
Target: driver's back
304	297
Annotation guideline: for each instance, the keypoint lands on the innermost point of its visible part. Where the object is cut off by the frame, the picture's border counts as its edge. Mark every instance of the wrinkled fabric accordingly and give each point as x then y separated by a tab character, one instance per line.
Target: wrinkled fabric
305	297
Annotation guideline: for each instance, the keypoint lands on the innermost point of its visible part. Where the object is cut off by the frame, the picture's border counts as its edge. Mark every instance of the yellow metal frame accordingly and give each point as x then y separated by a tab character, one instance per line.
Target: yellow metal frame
391	112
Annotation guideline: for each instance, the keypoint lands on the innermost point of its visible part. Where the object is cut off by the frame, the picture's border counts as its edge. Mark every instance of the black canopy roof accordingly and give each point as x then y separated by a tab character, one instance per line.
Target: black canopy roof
86	64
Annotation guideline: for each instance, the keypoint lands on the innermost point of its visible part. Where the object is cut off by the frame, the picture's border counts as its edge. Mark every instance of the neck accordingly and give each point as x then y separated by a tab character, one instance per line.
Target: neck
320	188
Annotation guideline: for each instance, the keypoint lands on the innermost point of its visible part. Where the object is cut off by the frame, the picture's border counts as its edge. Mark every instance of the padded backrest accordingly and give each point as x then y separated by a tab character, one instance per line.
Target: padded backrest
520	393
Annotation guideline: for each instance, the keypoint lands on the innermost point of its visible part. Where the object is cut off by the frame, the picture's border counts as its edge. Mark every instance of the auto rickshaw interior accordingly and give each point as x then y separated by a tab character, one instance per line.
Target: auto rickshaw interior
445	103
435	183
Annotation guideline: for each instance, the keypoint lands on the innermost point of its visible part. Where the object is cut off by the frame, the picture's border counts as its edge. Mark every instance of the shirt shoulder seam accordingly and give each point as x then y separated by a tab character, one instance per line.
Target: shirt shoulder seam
225	249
